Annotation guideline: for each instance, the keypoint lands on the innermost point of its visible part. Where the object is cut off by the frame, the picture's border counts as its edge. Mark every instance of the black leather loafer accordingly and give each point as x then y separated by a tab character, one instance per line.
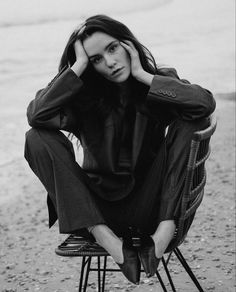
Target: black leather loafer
131	265
147	256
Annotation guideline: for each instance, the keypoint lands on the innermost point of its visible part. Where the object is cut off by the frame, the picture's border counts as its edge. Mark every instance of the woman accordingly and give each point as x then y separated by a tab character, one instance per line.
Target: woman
110	94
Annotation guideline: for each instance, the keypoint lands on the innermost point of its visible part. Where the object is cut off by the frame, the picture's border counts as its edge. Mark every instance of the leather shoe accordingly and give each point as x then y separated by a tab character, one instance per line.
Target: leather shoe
131	265
148	257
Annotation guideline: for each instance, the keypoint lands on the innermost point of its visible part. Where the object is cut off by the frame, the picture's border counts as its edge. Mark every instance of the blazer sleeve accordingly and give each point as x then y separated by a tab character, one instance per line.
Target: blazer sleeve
172	97
51	107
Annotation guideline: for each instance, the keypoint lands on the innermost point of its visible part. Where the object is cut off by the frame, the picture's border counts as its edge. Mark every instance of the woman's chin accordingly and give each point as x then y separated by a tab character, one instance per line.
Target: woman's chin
121	79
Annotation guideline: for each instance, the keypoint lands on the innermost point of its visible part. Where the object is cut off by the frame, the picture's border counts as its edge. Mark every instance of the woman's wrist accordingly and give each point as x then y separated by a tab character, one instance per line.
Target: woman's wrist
79	67
145	77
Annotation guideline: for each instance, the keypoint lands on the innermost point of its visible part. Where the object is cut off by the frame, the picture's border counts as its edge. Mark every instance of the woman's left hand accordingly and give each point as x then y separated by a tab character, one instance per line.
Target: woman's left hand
136	67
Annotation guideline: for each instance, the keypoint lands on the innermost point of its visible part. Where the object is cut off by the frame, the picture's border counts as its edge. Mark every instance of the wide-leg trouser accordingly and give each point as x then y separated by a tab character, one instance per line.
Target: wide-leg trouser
72	197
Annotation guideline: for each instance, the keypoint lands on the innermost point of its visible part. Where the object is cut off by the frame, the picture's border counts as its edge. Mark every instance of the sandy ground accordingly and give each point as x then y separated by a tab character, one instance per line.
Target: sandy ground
28	262
27	258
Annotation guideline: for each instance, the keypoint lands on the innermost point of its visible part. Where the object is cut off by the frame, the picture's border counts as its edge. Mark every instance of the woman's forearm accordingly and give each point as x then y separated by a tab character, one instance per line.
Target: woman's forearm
145	78
185	100
45	108
79	68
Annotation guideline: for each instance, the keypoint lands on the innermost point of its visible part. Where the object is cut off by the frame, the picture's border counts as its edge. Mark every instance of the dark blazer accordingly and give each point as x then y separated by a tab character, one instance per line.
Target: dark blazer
168	98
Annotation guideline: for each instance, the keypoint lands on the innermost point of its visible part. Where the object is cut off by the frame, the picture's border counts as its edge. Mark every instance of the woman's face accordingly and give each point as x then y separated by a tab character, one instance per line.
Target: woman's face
108	57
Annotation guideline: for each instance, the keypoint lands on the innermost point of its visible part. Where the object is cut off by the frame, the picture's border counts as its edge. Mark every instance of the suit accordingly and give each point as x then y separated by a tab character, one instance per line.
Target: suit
65	105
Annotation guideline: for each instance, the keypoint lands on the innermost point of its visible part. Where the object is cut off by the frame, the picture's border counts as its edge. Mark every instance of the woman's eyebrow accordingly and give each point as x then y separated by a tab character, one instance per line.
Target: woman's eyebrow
106	47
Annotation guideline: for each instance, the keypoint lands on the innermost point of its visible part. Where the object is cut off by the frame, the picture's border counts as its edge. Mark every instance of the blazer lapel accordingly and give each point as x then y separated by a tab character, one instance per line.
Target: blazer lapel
139	130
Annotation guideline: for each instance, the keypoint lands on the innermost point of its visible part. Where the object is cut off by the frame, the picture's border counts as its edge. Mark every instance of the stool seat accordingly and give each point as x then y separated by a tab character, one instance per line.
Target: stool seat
75	245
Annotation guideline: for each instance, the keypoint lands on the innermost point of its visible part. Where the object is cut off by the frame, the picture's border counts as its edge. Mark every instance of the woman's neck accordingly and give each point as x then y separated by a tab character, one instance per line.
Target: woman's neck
124	93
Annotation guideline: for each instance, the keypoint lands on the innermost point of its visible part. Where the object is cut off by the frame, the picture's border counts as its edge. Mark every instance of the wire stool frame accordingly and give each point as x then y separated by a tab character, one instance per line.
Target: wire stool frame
193	191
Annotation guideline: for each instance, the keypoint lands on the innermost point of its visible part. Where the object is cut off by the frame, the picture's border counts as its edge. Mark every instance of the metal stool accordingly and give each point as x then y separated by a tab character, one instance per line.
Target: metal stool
77	246
193	191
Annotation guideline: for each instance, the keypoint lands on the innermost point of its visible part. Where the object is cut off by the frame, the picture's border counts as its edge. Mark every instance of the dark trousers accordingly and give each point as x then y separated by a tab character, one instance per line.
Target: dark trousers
72	196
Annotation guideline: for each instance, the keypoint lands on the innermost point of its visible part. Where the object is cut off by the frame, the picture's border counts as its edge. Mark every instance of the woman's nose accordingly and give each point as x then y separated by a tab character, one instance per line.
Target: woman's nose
110	61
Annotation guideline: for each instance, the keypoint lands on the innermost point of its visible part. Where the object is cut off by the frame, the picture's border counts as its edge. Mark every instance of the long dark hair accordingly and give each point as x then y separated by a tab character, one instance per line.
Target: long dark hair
98	86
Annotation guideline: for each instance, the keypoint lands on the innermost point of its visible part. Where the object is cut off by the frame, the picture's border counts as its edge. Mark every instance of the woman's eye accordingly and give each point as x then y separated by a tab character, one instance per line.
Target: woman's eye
96	60
113	48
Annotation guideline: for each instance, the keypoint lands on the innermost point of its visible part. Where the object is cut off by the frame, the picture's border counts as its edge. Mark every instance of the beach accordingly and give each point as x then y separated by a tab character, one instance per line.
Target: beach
195	37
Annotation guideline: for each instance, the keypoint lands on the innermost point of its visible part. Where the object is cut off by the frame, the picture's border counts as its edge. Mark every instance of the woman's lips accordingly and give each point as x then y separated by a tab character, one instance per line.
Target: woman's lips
117	71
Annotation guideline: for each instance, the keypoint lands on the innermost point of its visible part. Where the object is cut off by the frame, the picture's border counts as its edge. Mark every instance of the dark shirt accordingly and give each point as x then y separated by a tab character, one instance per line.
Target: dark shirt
125	155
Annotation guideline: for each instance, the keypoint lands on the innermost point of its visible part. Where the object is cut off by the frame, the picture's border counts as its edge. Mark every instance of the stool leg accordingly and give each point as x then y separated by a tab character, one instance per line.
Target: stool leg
104	273
161	282
99	274
187	268
87	273
168	275
82	274
168	259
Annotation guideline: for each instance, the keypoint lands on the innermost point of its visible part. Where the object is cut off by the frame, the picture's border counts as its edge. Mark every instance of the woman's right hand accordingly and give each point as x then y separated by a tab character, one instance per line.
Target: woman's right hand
82	60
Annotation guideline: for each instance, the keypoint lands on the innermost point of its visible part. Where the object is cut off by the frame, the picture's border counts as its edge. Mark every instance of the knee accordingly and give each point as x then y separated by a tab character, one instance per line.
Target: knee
33	143
181	132
38	142
189	127
196	125
35	137
31	135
